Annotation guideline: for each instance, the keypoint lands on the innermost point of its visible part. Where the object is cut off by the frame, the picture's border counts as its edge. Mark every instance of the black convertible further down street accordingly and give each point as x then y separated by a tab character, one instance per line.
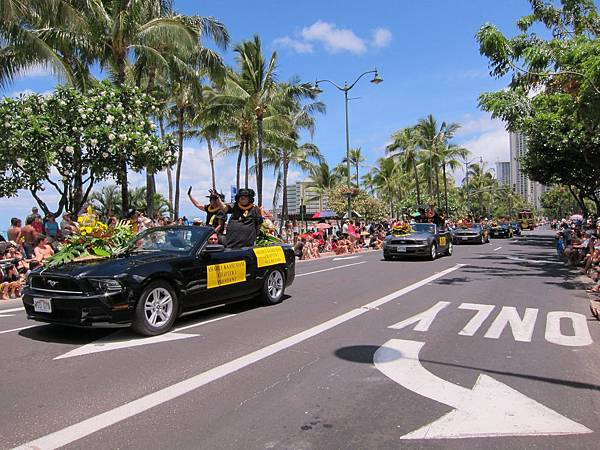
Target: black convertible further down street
169	272
425	239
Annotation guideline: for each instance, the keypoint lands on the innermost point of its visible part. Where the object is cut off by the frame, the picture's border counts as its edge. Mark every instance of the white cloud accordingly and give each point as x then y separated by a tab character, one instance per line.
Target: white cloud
381	37
295	44
480	124
334	39
25	92
36	71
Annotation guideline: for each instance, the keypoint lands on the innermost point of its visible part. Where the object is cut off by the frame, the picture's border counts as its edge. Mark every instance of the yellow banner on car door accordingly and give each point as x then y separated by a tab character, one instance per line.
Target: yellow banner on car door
226	273
269	256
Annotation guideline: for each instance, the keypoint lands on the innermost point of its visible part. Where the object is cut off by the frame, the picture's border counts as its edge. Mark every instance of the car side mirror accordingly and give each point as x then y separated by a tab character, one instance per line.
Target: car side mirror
214	248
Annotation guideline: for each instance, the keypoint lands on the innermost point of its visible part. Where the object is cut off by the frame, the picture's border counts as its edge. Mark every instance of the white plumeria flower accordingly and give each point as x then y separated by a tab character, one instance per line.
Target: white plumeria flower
105	155
69	149
94	142
111	137
109	119
153	126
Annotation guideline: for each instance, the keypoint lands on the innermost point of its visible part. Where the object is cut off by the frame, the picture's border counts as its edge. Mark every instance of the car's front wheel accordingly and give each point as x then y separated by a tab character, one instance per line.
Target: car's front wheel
273	287
156	309
432	252
449	249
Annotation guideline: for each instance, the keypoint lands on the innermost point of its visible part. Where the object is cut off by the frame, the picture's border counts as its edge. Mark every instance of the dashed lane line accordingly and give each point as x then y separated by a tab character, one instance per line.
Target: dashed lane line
18	329
4	311
496	249
330	268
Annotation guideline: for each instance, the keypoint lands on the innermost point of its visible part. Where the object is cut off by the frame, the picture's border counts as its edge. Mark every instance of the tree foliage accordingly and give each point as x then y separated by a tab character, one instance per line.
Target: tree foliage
370	208
69	140
554	94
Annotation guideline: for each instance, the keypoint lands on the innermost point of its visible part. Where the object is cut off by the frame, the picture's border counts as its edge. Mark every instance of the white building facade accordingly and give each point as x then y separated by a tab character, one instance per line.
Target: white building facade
503	173
531	190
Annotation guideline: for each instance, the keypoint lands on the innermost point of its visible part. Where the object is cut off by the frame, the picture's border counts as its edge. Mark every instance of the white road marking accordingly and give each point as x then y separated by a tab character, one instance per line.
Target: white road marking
3	311
490	409
483	312
498	248
581	336
533	261
522	329
423	319
331	268
18	329
345	258
79	430
124	339
6	315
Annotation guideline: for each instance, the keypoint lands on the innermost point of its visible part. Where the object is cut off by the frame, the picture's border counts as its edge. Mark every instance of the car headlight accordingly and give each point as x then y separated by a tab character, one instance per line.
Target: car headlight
106	285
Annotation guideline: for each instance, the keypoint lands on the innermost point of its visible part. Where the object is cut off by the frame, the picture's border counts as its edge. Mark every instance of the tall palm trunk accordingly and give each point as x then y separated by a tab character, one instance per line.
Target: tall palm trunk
239	166
180	131
284	203
417	181
161	124
259	162
445	187
150	179
246	158
123	182
357	185
437	185
212	162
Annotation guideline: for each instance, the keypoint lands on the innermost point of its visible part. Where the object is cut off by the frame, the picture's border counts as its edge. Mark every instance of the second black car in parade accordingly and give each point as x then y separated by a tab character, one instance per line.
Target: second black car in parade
168	272
425	240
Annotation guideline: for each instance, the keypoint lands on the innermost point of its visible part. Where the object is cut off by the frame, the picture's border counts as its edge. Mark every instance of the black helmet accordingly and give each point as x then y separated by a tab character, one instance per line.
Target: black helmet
245	191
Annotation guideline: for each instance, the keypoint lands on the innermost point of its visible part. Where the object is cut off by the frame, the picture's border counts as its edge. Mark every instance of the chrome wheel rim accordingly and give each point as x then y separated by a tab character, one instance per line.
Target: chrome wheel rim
275	284
450	248
433	252
158	307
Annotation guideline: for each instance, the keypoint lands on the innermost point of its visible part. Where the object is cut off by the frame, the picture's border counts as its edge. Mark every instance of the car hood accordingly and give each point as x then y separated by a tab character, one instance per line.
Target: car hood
414	236
467	230
105	267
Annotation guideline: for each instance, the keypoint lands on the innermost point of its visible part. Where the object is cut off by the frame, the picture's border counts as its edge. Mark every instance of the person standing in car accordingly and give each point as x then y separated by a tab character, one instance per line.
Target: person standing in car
215	217
245	220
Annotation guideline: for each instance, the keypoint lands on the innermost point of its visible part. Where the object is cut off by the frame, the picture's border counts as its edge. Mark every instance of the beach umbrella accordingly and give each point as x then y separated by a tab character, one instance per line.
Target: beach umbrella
322	226
325	214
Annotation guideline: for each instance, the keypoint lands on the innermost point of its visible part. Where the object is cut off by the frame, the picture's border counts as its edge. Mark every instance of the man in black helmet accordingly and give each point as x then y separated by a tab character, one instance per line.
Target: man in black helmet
245	220
215	217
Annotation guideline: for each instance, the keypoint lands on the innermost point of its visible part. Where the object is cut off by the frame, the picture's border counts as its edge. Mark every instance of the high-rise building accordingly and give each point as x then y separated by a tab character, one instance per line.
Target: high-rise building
302	193
503	173
531	190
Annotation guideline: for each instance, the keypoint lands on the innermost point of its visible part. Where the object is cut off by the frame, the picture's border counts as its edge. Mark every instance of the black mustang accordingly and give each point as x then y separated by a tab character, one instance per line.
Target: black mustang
426	240
169	272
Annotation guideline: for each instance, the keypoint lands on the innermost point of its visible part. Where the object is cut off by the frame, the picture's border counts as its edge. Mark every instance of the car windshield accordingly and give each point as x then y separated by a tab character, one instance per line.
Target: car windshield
175	239
423	227
476	227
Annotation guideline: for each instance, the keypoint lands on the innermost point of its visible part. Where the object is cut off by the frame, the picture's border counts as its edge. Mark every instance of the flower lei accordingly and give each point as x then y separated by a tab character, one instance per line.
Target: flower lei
246	208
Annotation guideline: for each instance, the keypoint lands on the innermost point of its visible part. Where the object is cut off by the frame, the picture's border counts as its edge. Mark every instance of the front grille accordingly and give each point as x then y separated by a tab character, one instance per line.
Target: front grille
55	284
401	242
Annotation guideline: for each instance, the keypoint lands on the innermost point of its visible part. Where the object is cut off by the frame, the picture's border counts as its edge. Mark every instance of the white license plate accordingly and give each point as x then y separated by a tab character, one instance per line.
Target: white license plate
401	248
42	305
464	238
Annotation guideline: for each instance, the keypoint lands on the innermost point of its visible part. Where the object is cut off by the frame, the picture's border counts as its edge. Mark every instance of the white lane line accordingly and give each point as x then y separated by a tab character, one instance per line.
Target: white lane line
4	311
331	268
496	249
204	322
18	329
345	258
6	315
79	430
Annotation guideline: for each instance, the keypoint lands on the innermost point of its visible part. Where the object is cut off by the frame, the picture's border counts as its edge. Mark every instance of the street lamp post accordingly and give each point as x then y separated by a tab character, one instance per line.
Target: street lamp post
345	89
467	163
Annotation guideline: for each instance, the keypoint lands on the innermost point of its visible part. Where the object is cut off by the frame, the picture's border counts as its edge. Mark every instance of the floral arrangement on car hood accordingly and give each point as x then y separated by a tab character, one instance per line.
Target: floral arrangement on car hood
267	234
95	240
402	229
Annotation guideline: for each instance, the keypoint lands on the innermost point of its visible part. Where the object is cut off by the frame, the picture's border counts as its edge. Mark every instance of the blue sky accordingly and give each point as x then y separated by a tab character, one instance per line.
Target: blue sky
424	50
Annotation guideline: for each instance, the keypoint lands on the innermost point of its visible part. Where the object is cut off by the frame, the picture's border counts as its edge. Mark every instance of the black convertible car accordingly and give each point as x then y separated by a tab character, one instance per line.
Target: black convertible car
169	272
426	240
475	233
503	230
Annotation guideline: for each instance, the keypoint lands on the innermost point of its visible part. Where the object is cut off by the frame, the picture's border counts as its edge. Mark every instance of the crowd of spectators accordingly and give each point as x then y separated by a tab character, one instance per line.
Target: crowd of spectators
578	243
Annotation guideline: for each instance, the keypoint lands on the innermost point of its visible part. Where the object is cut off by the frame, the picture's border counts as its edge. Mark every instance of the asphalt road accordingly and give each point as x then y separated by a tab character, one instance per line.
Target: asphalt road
493	347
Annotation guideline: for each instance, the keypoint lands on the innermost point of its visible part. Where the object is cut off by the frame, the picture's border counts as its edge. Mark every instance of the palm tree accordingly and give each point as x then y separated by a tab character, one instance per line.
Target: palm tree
106	201
450	155
322	179
387	178
405	143
257	82
432	138
480	181
356	158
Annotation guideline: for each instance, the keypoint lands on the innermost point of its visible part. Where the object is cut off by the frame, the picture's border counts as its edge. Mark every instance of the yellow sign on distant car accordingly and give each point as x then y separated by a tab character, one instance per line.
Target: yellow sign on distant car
224	274
269	256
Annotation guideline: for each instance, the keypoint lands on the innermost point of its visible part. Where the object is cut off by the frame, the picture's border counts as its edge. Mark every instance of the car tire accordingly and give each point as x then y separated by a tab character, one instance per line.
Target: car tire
432	252
273	287
388	257
483	239
156	309
449	249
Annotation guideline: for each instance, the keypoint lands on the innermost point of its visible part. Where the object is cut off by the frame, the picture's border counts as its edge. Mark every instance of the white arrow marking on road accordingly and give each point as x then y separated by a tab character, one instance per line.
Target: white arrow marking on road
423	319
122	339
489	409
345	258
533	261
